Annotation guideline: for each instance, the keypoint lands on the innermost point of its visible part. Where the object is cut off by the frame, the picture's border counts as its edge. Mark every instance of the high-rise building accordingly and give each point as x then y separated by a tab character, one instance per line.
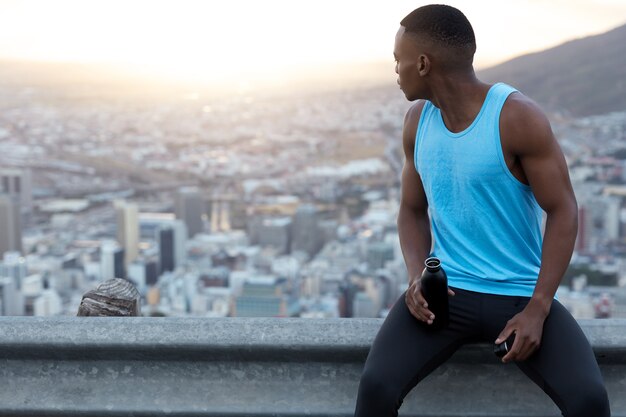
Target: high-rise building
305	231
127	216
137	274
152	272
120	267
364	306
13	266
165	238
347	293
151	223
275	232
311	286
144	273
220	213
48	304
111	261
10	224
17	182
11	299
180	242
378	254
612	218
191	207
237	214
591	224
261	297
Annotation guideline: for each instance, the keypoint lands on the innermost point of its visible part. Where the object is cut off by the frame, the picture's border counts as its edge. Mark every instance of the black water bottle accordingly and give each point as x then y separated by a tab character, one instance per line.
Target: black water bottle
434	285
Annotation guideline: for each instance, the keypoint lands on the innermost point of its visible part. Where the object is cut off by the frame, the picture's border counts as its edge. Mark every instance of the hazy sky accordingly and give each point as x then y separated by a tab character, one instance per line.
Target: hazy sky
214	39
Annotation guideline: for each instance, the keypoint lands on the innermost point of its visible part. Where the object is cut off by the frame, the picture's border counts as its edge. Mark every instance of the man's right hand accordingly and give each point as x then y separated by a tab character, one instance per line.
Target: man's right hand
417	304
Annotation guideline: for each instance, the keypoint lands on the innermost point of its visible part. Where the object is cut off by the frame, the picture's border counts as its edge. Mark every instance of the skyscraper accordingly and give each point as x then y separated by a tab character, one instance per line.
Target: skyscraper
612	218
127	215
13	266
190	207
151	223
48	304
165	238
17	182
261	297
271	231
10	224
112	261
306	234
378	253
180	242
11	300
137	275
220	214
347	293
152	272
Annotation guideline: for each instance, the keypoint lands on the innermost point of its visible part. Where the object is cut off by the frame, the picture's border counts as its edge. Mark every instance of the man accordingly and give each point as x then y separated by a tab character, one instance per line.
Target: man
481	166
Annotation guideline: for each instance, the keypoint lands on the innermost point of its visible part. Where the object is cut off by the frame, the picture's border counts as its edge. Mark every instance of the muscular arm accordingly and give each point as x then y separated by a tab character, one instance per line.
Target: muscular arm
413	222
526	132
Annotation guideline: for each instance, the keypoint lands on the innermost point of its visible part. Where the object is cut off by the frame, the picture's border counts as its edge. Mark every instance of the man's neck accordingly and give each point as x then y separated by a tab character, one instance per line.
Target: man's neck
460	98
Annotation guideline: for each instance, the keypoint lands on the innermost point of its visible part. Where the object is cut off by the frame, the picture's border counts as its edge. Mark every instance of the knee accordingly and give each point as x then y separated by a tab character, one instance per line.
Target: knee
592	401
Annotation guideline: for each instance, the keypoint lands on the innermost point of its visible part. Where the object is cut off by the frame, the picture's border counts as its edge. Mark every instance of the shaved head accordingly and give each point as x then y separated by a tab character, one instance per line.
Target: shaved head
443	29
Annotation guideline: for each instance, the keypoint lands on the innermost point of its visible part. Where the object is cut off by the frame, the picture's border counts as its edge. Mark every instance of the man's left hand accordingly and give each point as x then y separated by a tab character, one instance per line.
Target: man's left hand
528	328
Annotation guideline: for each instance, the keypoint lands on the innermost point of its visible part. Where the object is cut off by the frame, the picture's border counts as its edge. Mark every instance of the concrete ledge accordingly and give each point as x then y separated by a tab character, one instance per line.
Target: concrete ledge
143	366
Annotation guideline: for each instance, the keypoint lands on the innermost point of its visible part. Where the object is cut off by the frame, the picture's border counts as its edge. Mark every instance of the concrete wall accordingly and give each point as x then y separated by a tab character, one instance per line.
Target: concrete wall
140	366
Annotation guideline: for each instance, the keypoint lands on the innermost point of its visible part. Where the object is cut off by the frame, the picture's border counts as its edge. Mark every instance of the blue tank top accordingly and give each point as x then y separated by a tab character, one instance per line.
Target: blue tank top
486	224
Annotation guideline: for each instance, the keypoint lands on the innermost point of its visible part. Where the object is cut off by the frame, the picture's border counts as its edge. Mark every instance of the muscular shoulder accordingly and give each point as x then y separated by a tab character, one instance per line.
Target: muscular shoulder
411	119
524	128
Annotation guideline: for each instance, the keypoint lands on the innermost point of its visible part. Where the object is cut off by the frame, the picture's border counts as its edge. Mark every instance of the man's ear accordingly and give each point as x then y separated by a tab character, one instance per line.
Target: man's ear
423	65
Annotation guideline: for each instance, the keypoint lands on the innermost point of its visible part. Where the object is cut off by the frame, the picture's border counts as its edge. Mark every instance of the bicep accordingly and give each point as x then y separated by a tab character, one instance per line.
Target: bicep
412	190
544	164
413	195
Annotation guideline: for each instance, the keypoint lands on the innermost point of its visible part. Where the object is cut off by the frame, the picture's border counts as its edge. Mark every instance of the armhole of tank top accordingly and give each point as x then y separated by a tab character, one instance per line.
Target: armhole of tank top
500	150
418	133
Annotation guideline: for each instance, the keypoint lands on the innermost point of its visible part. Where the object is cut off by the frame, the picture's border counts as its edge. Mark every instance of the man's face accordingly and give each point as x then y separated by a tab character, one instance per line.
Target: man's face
406	56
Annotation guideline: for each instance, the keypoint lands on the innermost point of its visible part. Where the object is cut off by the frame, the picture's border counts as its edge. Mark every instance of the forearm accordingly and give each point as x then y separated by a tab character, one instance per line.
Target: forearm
415	239
558	245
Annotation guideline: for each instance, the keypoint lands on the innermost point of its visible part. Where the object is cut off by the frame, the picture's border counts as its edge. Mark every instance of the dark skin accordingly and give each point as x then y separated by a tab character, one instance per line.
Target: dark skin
532	154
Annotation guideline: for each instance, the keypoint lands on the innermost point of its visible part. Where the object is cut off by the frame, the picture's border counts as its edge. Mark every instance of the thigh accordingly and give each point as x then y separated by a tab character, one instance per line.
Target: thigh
565	366
405	350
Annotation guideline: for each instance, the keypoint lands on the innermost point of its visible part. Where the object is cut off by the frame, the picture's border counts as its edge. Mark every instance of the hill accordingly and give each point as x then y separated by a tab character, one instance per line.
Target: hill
582	77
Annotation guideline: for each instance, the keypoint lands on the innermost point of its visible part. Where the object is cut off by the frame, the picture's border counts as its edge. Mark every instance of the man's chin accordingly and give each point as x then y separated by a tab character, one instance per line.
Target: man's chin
410	97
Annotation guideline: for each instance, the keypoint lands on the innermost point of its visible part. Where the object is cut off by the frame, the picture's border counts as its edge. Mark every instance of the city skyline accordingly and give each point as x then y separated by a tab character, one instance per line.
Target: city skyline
279	202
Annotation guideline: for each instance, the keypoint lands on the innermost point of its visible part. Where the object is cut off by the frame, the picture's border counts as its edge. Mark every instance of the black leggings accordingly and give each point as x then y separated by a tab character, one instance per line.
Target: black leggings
404	352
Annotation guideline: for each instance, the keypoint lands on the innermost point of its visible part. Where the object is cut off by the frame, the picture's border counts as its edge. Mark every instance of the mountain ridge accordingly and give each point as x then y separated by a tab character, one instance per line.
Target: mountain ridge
581	77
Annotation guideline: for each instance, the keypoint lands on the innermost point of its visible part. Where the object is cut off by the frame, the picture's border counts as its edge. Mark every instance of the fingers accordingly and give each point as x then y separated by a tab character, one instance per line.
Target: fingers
504	334
526	347
513	351
450	292
516	351
417	305
419	298
523	347
419	311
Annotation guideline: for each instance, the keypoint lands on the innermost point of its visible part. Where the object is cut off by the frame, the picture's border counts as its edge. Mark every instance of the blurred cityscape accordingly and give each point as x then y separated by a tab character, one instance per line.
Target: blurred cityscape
250	205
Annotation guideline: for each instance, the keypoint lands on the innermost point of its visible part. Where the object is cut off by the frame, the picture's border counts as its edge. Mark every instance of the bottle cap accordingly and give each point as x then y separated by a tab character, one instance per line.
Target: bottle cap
432	263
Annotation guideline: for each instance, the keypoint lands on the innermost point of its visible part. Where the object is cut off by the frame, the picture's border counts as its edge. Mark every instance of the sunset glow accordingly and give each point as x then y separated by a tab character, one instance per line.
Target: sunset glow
230	40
